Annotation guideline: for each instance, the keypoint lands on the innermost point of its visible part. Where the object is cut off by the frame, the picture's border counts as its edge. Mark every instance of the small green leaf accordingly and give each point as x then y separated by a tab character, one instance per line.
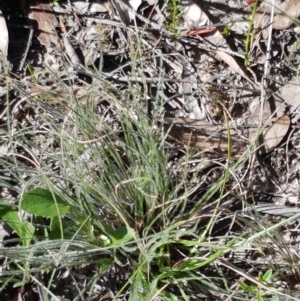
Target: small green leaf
247	288
251	289
42	202
243	285
268	275
24	229
122	234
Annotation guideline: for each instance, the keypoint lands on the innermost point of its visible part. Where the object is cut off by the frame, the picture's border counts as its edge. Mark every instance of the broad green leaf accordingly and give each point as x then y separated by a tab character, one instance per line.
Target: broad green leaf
122	234
42	202
24	229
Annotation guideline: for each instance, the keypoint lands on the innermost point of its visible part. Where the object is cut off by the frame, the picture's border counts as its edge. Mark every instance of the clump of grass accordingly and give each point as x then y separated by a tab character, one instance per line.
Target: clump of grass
134	229
128	213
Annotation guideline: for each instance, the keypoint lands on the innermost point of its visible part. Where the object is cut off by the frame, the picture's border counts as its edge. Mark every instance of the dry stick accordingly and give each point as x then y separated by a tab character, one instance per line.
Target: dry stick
266	66
71	53
29	42
263	91
171	80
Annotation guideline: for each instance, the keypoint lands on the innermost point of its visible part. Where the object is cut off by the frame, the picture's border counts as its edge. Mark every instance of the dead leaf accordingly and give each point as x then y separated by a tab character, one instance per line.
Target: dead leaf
122	12
289	11
212	138
3	39
285	14
207	137
290	93
71	53
231	61
273	108
194	16
47	22
273	117
287	99
273	135
125	9
81	7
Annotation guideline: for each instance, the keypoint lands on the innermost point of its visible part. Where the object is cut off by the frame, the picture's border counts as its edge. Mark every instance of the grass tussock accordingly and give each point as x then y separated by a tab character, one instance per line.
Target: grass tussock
122	214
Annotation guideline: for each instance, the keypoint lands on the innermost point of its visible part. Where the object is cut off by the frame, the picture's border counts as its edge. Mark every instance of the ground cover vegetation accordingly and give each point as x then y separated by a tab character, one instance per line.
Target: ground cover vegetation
104	198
